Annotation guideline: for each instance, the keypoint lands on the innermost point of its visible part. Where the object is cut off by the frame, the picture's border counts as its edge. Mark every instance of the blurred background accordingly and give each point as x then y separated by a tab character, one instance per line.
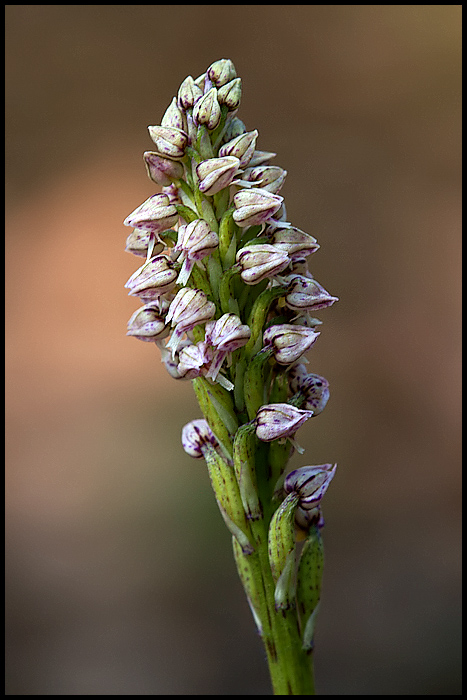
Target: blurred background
120	579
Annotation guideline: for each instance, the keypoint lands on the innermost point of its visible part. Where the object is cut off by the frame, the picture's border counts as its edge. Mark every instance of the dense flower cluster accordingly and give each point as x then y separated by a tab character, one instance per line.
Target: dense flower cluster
229	300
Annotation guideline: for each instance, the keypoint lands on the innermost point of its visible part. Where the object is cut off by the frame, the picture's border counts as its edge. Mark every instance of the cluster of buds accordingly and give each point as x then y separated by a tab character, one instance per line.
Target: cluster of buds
228	300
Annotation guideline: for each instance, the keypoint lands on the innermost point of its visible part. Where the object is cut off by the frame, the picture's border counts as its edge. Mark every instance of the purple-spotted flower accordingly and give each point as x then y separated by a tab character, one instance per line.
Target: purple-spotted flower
255	206
242	147
289	342
310	483
140	240
154	278
216	173
170	141
195	241
148	324
267	177
207	110
195	435
162	170
189	308
305	293
313	387
296	243
260	261
279	420
225	335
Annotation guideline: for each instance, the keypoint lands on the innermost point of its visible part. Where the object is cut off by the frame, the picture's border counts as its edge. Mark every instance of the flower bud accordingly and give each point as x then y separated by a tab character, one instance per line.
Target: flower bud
154	278
289	342
147	324
310	483
216	173
296	243
255	206
242	147
170	142
230	94
188	93
195	435
279	420
260	261
315	389
207	110
261	158
174	117
221	72
307	293
162	170
155	214
234	127
268	177
195	241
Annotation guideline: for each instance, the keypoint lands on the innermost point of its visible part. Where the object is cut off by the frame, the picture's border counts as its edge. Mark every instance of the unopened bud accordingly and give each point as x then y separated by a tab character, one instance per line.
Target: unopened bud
279	420
216	173
260	261
139	240
147	324
155	214
230	94
314	388
195	435
234	127
161	170
261	158
255	206
170	142
307	293
242	147
174	117
310	483
296	243
267	177
207	110
289	342
188	93
221	72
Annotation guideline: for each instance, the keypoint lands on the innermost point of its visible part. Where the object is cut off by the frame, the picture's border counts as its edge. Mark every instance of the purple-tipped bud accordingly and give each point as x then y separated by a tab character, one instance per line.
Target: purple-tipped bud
189	308
195	241
255	206
195	435
260	261
242	147
170	142
139	240
188	93
296	243
174	117
161	170
154	278
207	110
279	420
289	342
221	72
267	177
216	173
307	293
310	483
230	94
147	324
155	214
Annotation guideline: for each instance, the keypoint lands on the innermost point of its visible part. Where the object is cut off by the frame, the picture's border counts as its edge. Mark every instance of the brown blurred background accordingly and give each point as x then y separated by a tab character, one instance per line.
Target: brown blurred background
120	578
